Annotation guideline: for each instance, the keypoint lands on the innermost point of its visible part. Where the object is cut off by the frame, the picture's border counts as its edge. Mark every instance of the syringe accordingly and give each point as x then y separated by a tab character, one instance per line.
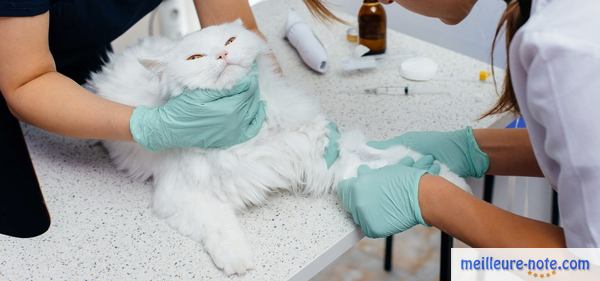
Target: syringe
406	90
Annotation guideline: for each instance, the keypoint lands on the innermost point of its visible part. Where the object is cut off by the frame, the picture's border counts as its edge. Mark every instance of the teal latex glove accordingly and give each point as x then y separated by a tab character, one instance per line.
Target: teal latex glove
385	201
332	150
457	149
202	118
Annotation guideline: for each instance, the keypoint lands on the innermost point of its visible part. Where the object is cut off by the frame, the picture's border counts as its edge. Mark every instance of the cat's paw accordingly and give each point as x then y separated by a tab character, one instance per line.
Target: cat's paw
232	255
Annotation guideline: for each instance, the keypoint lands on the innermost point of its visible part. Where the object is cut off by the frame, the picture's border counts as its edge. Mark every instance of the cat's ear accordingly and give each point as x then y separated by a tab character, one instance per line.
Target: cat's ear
153	64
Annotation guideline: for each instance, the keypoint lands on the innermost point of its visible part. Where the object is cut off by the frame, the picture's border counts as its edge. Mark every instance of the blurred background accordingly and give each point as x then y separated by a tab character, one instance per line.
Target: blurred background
416	252
472	37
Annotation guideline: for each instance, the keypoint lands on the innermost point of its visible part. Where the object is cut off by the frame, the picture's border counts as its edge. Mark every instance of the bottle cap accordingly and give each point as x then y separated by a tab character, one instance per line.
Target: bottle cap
483	75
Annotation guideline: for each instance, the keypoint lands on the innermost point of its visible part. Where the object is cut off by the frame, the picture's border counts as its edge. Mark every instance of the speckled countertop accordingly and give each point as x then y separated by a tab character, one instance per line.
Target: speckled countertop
102	227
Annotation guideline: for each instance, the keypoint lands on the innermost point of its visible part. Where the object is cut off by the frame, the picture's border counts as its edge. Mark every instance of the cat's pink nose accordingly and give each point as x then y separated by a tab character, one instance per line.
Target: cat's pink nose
222	55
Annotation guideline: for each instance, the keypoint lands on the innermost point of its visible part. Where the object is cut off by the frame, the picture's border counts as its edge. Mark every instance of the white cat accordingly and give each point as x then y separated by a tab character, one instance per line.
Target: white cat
198	191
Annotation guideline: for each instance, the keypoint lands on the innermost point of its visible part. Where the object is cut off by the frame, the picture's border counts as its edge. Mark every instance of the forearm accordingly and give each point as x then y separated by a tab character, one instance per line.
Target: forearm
440	9
211	12
57	104
478	223
37	94
509	150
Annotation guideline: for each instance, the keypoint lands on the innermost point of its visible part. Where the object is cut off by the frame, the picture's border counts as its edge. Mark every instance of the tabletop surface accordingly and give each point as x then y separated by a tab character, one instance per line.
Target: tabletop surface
102	226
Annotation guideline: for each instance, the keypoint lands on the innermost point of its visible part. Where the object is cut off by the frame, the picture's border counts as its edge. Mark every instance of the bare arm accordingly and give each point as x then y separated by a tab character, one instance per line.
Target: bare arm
480	224
211	12
510	152
37	94
448	11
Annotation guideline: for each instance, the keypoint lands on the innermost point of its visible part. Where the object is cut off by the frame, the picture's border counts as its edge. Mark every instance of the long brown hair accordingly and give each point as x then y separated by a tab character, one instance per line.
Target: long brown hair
320	11
512	19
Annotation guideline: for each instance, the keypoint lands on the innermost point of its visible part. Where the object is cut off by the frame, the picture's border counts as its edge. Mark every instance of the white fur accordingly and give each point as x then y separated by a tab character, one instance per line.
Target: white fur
198	191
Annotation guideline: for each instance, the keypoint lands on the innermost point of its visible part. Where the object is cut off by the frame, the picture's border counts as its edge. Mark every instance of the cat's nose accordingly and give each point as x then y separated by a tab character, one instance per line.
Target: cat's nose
222	55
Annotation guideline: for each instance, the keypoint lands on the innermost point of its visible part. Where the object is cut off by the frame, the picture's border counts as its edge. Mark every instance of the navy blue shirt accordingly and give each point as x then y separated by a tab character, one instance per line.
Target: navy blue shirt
81	30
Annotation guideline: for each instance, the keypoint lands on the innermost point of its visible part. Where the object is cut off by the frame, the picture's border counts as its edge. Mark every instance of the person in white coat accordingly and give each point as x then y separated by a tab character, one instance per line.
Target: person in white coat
553	82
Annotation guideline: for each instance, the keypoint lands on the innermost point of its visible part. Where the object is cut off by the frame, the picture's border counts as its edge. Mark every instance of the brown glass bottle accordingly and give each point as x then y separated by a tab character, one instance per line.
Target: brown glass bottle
372	26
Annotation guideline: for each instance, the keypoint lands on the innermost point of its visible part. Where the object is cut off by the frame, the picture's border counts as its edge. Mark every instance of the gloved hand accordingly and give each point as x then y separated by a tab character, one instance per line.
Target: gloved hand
457	149
385	201
202	118
332	150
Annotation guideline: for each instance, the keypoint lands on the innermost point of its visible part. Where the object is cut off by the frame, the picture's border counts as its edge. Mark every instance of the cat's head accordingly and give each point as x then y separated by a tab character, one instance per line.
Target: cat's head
215	57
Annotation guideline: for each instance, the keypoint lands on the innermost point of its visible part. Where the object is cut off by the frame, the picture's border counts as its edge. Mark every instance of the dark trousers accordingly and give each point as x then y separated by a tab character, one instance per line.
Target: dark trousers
23	212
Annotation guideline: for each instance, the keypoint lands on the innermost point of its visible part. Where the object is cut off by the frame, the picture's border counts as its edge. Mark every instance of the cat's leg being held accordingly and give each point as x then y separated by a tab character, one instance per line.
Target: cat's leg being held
394	154
355	152
206	219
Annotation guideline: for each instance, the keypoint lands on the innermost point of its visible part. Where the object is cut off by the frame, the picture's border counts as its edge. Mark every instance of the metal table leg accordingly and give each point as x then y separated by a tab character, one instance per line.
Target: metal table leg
387	259
555	213
488	188
445	255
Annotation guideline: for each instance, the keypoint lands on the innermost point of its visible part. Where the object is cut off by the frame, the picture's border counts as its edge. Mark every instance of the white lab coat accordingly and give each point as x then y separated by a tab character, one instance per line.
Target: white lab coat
555	69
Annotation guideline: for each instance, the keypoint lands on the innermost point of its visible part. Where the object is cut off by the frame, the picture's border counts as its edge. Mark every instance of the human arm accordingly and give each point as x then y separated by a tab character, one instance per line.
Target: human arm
37	94
473	153
211	12
555	78
397	197
478	223
448	11
510	152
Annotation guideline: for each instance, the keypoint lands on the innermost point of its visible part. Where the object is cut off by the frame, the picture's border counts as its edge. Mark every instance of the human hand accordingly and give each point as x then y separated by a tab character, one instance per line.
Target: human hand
457	149
385	201
332	150
202	118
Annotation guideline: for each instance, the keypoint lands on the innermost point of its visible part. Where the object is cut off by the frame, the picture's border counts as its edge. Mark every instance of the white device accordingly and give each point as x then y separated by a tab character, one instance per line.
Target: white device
303	39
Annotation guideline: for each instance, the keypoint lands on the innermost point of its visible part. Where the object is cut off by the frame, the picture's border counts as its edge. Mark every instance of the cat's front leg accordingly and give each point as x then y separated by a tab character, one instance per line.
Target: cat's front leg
376	158
225	240
205	219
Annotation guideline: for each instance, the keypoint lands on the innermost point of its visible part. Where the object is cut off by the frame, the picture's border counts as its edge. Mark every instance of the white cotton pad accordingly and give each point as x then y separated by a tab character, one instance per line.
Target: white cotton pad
418	69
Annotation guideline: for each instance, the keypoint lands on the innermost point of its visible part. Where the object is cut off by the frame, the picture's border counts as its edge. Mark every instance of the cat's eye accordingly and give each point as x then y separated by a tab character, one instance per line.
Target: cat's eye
195	57
229	41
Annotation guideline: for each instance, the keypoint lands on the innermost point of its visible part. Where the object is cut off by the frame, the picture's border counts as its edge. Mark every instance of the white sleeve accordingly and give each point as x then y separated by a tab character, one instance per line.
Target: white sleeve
562	95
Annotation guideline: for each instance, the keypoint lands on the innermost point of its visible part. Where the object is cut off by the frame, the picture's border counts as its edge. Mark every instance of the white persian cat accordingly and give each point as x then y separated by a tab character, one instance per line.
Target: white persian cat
198	191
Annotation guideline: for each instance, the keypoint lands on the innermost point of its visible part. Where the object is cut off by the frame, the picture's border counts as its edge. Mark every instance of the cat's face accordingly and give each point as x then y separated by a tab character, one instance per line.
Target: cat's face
215	57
